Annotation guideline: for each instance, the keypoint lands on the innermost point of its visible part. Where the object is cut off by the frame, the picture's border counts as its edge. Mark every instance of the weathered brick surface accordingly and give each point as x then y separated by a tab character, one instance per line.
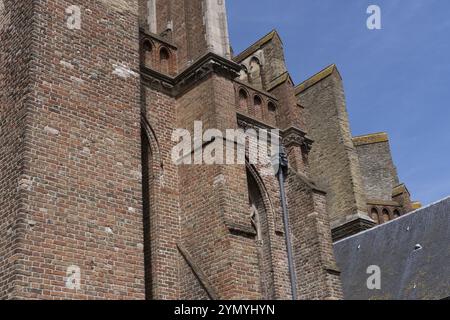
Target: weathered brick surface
87	177
312	241
15	55
80	200
333	159
162	213
378	170
358	173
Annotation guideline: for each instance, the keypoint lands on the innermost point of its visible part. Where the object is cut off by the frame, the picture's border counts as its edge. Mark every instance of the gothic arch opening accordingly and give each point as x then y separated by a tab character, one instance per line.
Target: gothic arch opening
385	215
164	60
272	112
147	54
243	100
257	101
257	106
272	107
255	76
258	208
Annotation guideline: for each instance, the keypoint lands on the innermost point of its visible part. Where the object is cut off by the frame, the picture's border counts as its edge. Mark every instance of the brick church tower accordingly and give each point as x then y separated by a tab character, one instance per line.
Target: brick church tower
92	205
198	223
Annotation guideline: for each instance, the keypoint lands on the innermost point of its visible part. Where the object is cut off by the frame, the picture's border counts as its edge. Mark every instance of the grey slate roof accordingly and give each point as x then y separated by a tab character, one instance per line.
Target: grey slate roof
413	253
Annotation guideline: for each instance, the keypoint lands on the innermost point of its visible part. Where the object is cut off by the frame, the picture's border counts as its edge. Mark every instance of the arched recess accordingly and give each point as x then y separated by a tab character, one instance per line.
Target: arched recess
255	72
272	113
374	215
262	213
257	101
164	60
396	214
147	53
243	100
152	169
257	106
385	215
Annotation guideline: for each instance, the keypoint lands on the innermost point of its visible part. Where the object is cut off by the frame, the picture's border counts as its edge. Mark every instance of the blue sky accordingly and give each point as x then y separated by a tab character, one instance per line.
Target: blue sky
396	79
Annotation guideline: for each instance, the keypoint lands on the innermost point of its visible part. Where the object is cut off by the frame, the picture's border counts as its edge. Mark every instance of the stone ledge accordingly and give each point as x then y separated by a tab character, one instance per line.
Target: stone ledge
351	225
325	73
379	202
209	64
370	139
256	46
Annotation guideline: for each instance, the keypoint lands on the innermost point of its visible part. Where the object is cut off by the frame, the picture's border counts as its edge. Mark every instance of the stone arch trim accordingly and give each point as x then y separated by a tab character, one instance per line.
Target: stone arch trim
266	233
152	170
243	89
262	188
143	52
258	97
152	140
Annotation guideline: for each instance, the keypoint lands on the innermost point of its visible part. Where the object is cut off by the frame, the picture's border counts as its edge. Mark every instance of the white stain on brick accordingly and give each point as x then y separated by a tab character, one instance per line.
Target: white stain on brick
131	210
31	223
76	80
51	130
219	180
25	183
109	141
136	174
123	71
66	64
73	278
109	230
73	17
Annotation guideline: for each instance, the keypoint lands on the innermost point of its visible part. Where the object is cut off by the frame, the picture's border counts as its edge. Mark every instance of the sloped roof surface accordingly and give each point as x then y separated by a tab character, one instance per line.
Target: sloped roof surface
413	253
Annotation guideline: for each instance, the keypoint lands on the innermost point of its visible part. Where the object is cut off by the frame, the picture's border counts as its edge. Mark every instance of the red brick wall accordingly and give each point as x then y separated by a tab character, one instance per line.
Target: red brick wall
317	273
82	201
164	229
15	54
73	165
217	197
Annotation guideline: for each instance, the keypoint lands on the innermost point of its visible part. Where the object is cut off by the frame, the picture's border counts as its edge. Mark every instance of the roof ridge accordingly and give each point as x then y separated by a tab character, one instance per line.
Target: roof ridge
392	221
256	45
279	80
322	74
